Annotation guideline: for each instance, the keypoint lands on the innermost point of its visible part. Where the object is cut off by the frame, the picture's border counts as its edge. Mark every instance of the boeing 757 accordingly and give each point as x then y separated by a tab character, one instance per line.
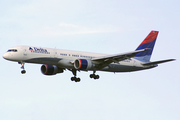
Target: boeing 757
57	60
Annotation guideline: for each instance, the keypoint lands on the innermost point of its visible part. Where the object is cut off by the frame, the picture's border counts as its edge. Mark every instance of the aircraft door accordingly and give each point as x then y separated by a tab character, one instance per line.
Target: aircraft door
55	53
135	63
25	52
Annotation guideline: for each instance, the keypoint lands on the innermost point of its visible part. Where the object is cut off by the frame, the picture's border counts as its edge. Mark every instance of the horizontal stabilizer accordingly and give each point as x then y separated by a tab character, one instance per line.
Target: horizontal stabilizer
158	62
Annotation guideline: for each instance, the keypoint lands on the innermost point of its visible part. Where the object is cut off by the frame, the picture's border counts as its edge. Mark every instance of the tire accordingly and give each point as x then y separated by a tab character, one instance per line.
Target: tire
97	76
91	76
23	71
77	80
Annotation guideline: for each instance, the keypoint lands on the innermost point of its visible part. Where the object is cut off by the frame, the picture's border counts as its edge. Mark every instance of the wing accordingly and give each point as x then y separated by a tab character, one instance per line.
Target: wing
106	60
158	62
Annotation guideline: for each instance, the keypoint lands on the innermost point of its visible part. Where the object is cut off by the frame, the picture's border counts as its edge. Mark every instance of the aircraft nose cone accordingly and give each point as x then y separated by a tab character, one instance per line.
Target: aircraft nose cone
5	56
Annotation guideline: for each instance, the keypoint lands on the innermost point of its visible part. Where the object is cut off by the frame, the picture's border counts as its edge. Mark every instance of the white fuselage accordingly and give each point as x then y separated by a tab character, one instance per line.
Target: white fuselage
66	58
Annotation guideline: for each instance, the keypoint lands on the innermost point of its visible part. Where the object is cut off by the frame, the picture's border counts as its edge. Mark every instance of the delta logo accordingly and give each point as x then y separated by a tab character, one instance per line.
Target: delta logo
30	49
38	50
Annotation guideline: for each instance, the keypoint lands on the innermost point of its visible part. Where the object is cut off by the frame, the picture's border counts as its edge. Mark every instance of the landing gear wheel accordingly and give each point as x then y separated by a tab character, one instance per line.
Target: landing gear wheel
75	79
22	67
23	71
94	76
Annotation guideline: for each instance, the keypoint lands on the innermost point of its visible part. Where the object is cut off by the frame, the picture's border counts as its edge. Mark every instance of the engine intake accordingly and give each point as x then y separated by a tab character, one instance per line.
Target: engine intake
50	70
83	64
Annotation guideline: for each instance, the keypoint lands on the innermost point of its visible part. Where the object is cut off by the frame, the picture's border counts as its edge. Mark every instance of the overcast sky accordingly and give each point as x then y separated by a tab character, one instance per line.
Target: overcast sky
102	26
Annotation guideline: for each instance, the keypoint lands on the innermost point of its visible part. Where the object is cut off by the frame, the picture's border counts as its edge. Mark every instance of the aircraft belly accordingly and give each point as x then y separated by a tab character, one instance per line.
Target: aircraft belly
65	63
121	68
50	61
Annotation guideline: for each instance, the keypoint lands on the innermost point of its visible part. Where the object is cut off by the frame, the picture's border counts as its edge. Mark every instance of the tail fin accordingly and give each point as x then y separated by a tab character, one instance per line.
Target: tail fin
148	42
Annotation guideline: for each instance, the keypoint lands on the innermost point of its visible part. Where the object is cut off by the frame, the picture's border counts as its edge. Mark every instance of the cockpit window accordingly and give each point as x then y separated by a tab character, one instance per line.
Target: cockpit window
12	50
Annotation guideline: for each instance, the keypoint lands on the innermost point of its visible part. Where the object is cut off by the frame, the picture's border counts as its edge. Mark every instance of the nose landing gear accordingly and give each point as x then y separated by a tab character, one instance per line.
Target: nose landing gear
22	67
23	71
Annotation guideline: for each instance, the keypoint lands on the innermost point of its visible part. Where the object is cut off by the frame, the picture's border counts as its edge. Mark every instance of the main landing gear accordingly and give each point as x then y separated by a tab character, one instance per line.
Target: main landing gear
74	71
75	78
22	67
94	75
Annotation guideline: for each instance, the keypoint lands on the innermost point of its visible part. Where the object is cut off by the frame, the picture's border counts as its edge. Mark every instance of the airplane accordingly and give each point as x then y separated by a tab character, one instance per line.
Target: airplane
57	60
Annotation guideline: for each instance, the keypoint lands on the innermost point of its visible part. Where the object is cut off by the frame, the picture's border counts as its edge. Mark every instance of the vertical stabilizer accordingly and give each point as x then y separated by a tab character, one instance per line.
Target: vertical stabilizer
148	42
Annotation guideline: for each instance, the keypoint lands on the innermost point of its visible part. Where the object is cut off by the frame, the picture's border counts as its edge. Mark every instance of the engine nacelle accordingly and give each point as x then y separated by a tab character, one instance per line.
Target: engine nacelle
50	69
83	64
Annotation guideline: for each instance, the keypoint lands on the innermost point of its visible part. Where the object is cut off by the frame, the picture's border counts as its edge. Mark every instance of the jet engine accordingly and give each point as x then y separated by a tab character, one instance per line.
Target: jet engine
83	64
50	70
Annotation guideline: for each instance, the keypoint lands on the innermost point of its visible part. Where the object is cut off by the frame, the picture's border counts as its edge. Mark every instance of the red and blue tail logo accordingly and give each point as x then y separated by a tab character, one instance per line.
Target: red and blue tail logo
30	49
148	42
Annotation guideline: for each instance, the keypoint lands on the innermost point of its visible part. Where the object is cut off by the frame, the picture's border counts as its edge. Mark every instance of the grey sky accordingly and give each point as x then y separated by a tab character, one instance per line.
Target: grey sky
103	26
